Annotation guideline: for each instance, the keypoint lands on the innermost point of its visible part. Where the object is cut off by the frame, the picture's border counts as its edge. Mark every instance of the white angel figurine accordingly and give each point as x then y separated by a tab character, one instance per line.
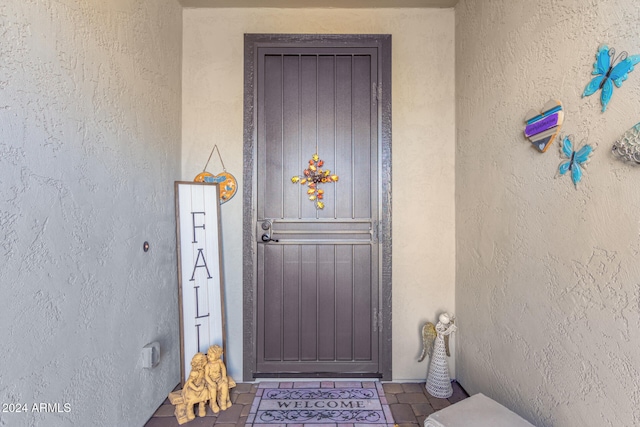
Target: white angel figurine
438	380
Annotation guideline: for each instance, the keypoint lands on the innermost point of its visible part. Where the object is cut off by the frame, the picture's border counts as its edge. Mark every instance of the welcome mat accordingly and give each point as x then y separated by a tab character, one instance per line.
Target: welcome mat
339	403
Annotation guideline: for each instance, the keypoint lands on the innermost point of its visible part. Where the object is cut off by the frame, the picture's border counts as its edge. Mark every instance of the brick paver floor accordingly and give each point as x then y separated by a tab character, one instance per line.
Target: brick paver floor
410	405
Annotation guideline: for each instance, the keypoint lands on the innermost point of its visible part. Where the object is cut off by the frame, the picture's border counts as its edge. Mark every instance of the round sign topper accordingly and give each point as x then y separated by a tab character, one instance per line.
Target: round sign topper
227	183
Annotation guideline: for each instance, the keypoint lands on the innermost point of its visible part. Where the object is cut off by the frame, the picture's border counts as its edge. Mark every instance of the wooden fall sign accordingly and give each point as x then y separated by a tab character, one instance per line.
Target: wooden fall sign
200	278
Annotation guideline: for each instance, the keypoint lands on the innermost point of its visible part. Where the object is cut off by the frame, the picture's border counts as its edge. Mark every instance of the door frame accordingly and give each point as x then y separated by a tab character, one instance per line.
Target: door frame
249	262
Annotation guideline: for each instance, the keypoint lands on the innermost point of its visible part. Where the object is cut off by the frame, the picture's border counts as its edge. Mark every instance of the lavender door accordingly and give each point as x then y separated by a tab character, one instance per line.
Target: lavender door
317	291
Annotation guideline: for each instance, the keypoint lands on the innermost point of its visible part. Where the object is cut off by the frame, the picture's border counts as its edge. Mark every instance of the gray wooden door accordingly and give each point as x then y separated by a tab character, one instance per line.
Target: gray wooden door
317	284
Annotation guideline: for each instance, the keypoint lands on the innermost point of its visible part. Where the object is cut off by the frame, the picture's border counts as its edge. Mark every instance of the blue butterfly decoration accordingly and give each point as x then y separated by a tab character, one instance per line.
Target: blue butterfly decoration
577	159
608	73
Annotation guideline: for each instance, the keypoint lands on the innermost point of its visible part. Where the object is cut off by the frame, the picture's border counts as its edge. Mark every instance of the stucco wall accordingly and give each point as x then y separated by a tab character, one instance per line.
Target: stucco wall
547	276
423	148
89	149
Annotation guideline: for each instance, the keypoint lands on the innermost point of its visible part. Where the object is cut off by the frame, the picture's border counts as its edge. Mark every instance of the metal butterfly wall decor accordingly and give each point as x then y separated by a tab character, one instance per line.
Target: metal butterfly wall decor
609	70
577	160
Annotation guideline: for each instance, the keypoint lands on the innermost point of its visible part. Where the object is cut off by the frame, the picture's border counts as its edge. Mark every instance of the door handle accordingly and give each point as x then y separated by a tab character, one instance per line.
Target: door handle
267	238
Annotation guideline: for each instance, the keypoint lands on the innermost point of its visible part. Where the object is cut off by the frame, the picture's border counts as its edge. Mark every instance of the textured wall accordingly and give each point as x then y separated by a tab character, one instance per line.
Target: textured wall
423	147
547	277
89	149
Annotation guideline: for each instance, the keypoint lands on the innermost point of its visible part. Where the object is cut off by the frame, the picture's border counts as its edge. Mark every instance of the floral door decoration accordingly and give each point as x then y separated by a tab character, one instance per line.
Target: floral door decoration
312	177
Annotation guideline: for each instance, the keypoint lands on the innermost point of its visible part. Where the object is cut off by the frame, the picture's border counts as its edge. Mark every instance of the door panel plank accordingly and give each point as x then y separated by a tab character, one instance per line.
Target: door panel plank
309	303
273	118
273	308
308	123
362	302
327	124
344	150
292	158
362	87
291	302
326	302
344	302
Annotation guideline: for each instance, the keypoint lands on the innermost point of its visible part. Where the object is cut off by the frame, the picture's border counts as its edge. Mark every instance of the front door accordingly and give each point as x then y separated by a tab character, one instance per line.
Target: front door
317	266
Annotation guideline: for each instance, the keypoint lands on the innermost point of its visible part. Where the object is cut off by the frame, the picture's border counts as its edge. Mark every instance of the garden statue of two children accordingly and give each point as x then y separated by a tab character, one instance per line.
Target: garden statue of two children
207	382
